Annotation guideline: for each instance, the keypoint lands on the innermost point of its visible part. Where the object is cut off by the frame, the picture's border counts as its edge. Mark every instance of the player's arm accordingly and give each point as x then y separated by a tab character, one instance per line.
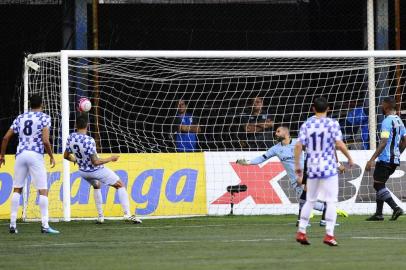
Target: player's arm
378	151
340	145
190	128
47	145
249	127
4	145
402	145
258	160
384	140
298	156
100	161
258	127
341	167
68	156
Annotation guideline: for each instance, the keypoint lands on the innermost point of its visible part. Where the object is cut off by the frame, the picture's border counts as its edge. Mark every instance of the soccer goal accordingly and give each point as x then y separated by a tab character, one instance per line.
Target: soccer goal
136	98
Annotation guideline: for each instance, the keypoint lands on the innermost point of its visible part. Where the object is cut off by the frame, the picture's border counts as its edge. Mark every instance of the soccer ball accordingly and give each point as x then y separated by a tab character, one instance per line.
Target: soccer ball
84	105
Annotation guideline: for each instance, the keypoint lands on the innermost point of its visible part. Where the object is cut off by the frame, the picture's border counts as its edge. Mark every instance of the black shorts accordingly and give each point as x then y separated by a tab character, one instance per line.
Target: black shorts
383	171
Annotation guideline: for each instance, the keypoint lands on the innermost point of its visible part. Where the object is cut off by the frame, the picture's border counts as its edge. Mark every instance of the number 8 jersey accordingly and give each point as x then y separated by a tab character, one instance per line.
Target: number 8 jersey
29	128
319	136
83	147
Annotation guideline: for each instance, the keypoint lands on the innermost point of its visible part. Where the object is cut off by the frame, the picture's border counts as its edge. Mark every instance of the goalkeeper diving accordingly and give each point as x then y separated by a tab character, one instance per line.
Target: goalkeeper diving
284	150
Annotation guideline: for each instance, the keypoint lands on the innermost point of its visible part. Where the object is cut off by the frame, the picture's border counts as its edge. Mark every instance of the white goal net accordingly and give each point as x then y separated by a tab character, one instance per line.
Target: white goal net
179	121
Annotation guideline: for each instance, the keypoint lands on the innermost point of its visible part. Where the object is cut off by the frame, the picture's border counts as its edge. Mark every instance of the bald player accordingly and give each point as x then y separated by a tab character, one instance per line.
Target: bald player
284	150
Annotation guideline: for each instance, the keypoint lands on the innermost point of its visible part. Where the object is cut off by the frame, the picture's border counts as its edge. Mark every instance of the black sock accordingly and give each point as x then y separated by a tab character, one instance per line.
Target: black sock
302	201
323	216
391	203
303	195
379	207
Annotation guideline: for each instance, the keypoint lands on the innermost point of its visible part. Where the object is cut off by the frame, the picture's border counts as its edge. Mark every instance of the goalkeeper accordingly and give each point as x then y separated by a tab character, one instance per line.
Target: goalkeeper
284	150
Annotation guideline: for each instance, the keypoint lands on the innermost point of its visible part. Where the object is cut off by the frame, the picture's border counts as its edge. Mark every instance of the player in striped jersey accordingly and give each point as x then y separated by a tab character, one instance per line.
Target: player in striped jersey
320	135
33	138
81	149
388	153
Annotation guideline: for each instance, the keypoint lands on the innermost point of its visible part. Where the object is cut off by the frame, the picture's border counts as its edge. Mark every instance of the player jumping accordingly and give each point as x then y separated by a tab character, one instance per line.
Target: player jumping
33	137
320	135
81	149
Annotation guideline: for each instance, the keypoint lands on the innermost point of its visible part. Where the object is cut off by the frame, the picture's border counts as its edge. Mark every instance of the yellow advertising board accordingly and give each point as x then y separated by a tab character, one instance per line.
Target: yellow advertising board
168	184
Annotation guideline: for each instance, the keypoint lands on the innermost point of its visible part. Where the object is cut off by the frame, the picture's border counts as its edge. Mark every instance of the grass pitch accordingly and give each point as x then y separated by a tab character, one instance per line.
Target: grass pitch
232	242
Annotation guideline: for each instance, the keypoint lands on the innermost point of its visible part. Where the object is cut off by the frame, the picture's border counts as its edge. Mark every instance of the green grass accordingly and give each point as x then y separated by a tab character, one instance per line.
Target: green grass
239	242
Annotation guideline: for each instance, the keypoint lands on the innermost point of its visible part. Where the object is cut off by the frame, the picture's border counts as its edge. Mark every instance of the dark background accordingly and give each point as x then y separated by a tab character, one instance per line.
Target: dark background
317	25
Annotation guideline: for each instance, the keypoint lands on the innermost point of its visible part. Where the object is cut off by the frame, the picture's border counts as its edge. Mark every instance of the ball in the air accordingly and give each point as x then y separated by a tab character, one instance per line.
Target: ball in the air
84	105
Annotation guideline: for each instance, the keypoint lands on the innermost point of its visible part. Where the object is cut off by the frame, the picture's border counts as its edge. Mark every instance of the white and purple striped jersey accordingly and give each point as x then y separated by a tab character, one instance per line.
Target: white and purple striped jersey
29	128
319	136
83	147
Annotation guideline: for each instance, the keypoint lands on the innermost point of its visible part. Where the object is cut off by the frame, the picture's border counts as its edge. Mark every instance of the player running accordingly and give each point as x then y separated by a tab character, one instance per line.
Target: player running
81	149
320	135
388	153
284	150
33	137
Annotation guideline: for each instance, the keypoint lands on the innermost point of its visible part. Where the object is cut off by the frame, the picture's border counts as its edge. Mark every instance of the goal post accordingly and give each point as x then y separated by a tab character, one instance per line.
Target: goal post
139	95
65	133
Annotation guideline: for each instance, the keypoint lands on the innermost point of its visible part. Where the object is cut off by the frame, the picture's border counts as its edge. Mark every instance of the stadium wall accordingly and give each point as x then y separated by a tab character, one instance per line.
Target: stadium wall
176	184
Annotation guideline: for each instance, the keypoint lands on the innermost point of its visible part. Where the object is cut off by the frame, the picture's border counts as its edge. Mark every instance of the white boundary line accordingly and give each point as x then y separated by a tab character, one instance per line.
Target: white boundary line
162	242
378	238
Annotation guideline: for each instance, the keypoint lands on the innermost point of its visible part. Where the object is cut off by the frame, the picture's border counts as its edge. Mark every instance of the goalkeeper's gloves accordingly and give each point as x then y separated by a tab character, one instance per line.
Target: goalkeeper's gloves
243	161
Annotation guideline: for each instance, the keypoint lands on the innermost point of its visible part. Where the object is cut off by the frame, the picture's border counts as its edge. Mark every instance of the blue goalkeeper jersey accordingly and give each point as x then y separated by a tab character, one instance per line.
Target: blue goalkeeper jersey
286	154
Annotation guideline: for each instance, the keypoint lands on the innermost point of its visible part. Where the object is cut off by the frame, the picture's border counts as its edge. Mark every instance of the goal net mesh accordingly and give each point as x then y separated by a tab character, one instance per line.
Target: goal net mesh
136	113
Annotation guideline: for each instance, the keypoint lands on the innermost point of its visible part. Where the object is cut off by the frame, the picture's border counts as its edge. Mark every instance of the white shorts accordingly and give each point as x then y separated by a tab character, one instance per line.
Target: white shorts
104	175
32	163
323	189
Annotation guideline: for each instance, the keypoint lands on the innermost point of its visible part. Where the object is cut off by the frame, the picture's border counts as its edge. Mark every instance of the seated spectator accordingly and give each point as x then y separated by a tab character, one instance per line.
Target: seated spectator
186	133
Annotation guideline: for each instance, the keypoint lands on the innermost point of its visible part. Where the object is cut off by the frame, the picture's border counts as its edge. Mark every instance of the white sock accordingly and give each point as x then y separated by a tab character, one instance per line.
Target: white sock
98	200
331	217
305	215
125	203
319	206
15	203
43	205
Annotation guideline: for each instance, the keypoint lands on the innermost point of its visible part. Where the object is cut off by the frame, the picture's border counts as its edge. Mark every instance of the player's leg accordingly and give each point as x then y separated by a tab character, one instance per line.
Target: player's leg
302	198
108	177
20	174
125	202
302	201
122	196
311	199
382	173
39	179
340	212
397	211
98	200
99	204
318	206
323	214
329	194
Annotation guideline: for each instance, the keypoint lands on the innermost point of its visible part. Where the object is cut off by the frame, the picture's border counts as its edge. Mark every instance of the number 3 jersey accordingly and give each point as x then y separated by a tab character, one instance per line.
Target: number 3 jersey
29	128
319	136
83	147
